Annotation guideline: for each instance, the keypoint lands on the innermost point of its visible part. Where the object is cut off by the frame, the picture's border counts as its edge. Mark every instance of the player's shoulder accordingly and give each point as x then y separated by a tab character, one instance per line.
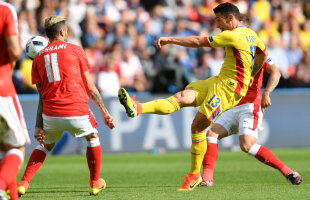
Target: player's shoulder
7	8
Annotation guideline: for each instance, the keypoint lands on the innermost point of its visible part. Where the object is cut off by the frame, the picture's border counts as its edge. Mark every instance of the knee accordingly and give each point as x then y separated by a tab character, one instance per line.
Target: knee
91	137
245	147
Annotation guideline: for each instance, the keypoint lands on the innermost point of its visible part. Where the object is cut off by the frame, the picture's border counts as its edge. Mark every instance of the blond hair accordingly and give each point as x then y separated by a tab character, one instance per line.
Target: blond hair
52	20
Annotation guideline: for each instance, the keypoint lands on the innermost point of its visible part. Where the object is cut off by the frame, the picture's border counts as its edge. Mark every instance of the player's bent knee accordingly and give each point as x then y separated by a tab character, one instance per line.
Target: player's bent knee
91	136
245	147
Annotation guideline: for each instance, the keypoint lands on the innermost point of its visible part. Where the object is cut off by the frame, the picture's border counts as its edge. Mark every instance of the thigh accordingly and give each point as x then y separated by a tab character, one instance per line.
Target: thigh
186	97
229	120
250	120
53	129
13	126
199	87
219	98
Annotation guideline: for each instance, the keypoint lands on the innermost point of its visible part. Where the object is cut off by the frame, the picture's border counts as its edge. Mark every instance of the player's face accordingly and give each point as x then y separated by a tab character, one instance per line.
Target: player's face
222	22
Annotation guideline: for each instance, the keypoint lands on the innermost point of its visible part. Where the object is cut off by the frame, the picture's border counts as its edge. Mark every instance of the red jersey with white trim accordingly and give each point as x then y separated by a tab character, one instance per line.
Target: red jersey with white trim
8	27
254	92
241	45
59	68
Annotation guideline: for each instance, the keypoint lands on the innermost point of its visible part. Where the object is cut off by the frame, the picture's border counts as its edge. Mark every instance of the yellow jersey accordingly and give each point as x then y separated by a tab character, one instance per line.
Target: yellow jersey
241	45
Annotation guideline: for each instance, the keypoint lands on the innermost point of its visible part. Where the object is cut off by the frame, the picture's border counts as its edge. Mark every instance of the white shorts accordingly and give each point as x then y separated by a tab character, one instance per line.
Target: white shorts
13	130
79	126
244	119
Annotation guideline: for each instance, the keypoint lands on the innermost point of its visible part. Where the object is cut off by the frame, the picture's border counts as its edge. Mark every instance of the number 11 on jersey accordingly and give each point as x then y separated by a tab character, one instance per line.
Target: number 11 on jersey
51	66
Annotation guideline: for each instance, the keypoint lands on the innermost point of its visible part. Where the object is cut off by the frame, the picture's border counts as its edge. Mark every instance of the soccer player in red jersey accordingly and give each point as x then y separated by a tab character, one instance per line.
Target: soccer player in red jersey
13	131
245	118
61	73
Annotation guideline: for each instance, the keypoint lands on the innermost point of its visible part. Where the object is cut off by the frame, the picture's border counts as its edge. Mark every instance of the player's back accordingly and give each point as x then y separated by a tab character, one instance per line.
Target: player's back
59	67
8	27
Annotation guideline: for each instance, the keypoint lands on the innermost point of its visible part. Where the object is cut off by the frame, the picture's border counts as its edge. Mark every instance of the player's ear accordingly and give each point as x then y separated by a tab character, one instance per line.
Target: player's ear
230	17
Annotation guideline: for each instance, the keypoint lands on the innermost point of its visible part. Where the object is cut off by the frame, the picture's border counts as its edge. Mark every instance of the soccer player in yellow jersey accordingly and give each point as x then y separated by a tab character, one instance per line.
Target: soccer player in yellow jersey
216	94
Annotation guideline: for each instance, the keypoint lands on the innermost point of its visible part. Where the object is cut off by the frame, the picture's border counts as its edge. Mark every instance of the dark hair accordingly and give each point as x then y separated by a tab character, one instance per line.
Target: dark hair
226	9
245	19
53	31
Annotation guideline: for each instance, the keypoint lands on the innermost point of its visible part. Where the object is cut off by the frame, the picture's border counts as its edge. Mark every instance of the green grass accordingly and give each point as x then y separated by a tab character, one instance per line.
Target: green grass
147	176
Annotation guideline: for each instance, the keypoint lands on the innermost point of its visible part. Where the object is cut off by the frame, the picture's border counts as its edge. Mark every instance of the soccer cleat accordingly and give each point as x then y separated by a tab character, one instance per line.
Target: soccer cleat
97	186
132	107
294	178
3	195
22	187
191	181
206	184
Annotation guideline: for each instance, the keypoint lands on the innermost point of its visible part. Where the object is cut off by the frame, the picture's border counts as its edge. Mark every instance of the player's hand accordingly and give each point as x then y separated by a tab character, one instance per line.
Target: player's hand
39	135
266	102
251	81
161	42
109	121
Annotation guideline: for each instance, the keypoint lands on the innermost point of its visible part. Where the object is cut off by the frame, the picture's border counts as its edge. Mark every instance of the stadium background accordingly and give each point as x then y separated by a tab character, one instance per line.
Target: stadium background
117	36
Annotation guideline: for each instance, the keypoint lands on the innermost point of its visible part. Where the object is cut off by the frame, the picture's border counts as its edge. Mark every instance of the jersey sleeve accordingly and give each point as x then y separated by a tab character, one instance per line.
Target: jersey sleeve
84	64
268	63
35	78
11	22
260	46
223	39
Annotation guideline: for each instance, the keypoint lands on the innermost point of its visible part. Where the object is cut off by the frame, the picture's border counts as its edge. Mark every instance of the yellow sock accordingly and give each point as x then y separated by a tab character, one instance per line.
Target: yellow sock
198	150
161	106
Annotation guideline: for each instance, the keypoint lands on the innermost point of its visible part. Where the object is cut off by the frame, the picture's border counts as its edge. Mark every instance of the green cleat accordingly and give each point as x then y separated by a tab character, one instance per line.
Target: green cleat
97	186
22	187
132	107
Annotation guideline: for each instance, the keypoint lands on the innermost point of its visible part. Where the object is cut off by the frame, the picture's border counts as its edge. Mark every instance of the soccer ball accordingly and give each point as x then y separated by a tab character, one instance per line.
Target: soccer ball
34	45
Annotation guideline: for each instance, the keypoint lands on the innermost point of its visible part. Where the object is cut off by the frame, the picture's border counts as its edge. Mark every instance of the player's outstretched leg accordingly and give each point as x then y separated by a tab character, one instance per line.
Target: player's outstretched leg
159	106
132	107
35	161
265	156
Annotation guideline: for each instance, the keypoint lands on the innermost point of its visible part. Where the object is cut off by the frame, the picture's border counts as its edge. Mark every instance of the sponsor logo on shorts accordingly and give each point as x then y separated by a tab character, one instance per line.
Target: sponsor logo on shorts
231	83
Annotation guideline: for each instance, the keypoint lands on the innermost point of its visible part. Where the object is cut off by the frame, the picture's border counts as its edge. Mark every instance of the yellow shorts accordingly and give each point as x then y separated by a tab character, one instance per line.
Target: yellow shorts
214	97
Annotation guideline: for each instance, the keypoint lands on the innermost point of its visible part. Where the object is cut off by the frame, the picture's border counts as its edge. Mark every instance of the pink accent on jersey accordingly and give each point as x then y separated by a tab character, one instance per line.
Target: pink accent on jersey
240	70
59	68
8	27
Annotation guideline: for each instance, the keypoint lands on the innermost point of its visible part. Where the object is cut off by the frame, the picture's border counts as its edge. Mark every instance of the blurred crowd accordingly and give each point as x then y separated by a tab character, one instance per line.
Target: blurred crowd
118	35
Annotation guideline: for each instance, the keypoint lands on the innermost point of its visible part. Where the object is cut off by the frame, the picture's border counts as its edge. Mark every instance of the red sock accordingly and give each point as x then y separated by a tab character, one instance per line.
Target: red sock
13	190
267	157
35	161
93	155
209	161
9	167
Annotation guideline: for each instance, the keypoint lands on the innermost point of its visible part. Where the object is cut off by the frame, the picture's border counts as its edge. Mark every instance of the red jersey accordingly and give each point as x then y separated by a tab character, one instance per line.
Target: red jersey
8	27
59	68
254	92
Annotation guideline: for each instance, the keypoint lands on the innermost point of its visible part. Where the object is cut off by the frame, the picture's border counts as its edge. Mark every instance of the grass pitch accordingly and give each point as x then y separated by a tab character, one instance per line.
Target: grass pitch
146	176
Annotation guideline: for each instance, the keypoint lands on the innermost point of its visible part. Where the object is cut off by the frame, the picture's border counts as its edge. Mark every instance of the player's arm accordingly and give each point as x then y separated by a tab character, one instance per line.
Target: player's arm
14	48
39	133
95	97
259	61
190	41
273	80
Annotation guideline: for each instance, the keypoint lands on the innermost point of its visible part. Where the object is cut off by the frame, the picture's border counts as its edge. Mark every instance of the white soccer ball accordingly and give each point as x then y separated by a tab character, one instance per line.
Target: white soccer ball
34	45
